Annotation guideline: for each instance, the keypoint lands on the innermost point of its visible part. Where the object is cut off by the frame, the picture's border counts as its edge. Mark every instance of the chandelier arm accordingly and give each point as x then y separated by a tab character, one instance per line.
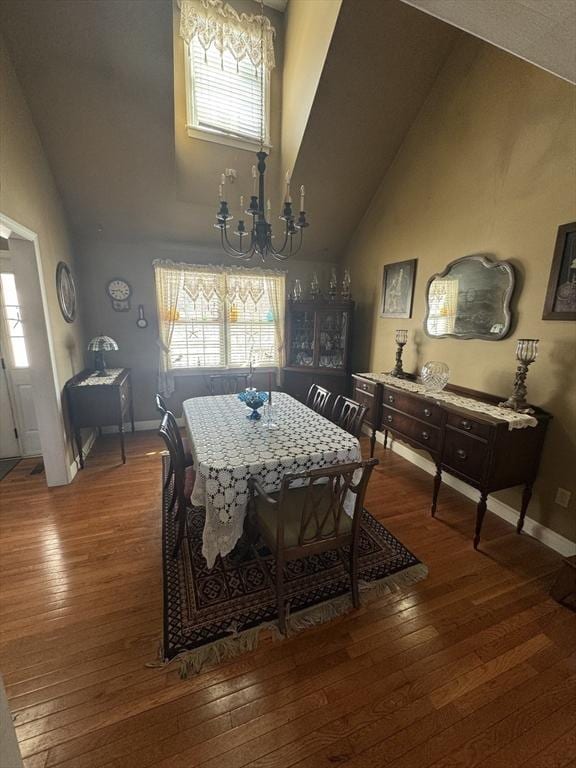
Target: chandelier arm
284	256
275	251
234	252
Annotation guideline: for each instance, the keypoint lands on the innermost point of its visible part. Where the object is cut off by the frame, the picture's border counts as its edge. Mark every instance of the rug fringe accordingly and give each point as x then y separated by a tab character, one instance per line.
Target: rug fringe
238	643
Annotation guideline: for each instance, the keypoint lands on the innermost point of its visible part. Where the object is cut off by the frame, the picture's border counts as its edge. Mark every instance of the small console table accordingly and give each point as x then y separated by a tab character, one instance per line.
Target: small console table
478	448
100	401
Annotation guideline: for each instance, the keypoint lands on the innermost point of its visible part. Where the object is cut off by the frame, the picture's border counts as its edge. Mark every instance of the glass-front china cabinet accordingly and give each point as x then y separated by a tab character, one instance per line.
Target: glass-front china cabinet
318	333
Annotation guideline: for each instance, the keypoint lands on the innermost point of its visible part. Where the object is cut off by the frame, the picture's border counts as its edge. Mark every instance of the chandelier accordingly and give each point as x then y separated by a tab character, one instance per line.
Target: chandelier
257	238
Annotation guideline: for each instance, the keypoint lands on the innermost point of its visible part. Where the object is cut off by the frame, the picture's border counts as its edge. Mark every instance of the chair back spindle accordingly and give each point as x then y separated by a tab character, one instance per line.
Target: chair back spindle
349	415
228	383
318	399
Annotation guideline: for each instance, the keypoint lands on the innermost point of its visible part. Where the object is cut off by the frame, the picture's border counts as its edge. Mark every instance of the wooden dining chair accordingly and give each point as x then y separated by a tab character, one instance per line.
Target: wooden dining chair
318	399
349	415
177	437
307	517
228	383
183	476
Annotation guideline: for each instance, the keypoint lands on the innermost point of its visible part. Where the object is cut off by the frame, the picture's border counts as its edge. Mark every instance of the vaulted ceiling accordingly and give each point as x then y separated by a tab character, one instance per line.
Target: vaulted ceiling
98	77
100	86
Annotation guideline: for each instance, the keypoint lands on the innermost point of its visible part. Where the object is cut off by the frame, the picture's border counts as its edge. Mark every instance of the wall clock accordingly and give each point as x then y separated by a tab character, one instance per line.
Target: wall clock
119	292
66	291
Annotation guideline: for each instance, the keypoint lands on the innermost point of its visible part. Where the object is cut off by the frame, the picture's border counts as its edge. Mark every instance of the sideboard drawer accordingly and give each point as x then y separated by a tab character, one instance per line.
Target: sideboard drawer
415	406
364	385
371	403
464	454
471	426
426	436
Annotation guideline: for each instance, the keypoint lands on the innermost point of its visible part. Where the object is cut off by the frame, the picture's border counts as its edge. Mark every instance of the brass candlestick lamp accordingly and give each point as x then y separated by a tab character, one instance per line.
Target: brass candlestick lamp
401	340
526	353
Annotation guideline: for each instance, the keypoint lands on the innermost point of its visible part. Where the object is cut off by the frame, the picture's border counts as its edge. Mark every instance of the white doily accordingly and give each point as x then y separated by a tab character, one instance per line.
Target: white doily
515	420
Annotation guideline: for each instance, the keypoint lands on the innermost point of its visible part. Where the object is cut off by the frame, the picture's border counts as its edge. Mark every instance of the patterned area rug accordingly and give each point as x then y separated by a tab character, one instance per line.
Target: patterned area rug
210	615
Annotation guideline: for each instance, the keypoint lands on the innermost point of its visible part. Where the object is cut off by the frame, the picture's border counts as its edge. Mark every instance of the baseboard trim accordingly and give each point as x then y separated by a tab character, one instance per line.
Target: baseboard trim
533	528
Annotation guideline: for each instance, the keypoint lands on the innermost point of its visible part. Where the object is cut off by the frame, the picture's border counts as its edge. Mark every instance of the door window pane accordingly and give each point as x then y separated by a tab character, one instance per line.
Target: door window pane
13	321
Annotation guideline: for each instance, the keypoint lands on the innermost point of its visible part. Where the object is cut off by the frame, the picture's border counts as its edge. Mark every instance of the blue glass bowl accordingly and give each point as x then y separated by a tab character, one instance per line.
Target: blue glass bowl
254	400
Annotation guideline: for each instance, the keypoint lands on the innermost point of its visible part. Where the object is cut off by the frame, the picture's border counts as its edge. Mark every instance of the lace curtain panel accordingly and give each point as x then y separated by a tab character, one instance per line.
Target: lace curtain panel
213	22
213	317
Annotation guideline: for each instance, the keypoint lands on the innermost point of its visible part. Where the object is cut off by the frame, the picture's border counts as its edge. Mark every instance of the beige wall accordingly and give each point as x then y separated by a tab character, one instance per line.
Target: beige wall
29	196
489	166
308	32
102	261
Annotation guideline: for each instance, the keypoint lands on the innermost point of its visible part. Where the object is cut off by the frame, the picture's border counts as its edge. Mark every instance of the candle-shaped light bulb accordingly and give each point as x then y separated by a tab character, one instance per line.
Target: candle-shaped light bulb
220	195
223	179
254	179
288	197
268	207
302	192
241	202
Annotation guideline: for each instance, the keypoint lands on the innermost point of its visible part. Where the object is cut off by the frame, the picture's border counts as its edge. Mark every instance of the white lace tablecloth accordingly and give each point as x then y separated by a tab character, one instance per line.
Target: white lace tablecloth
515	420
228	448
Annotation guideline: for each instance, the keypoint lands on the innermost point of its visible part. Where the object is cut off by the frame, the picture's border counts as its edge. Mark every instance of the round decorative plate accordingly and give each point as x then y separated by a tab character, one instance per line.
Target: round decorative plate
66	290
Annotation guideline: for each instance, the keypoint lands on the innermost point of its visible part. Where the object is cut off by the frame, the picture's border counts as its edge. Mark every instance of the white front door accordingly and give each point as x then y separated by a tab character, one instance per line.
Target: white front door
16	388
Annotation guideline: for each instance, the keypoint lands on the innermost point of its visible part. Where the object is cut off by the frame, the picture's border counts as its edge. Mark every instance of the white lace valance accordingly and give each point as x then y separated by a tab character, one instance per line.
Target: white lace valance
213	22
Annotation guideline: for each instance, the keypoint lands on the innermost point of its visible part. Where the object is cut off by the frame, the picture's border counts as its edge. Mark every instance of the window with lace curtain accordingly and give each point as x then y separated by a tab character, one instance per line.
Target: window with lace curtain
229	56
219	318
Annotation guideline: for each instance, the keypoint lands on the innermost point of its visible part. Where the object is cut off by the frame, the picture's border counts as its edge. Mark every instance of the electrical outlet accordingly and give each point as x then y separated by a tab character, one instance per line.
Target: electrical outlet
562	497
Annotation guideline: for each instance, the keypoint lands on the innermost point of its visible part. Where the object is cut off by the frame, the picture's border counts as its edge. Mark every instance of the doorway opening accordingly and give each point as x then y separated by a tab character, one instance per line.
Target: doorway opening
31	407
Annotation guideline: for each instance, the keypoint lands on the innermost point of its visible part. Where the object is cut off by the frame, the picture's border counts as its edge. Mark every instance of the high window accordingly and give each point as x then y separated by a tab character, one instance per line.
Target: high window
217	318
228	63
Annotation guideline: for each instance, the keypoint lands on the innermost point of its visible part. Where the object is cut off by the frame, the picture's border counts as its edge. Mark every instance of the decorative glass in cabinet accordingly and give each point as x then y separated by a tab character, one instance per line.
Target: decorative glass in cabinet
301	351
333	330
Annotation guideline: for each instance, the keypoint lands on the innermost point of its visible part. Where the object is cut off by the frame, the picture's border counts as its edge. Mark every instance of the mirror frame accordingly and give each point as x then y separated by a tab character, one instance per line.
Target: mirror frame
490	264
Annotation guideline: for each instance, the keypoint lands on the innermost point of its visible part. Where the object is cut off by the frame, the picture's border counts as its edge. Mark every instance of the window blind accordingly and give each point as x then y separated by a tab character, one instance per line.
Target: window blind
228	96
220	319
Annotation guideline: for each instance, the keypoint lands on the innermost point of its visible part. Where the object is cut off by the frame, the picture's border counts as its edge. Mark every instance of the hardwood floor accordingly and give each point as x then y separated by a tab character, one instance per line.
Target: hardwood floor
475	666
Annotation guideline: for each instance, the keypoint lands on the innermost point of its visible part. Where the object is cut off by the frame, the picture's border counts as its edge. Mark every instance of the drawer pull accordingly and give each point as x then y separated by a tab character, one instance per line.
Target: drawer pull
390	398
427	412
363	386
461	453
389	419
466	425
425	436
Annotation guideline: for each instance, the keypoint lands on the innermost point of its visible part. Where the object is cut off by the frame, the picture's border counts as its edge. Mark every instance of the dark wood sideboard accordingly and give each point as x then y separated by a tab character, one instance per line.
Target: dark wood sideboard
105	401
477	448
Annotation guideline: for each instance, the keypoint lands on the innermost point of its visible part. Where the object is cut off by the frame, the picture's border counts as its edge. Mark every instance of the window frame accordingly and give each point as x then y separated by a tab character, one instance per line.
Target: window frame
232	369
194	131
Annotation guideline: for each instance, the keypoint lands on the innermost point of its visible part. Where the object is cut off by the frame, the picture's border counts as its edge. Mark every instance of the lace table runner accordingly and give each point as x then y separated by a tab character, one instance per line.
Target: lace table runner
110	377
228	449
515	420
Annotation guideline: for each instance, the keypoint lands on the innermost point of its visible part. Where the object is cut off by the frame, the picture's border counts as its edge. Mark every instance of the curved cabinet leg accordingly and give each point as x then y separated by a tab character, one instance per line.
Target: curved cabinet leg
526	496
372	443
480	513
437	483
385	438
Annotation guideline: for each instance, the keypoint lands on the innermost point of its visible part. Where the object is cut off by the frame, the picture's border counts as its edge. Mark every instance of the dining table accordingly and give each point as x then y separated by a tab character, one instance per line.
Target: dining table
228	448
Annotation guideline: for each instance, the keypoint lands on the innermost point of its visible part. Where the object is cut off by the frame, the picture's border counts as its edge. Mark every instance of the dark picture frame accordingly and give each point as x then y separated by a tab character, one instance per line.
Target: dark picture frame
560	302
398	280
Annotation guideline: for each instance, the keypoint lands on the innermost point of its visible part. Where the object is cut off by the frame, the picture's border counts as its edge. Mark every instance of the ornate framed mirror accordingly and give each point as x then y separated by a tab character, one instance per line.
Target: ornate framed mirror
470	299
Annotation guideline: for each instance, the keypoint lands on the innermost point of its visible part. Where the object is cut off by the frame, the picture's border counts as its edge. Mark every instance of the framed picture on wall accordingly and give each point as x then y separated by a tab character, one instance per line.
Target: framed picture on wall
398	289
560	303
